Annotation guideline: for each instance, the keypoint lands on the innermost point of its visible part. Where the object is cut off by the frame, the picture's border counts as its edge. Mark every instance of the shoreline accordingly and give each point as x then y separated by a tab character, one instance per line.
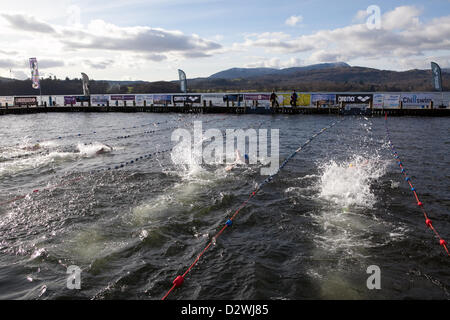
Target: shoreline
435	112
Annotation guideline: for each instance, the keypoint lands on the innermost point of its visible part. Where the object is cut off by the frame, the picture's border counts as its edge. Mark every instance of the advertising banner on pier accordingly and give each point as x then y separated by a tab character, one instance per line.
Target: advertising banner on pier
188	98
34	73
140	98
82	99
303	99
215	99
324	99
99	99
378	100
417	100
164	99
391	101
233	97
25	101
256	97
359	98
6	100
69	100
262	99
123	97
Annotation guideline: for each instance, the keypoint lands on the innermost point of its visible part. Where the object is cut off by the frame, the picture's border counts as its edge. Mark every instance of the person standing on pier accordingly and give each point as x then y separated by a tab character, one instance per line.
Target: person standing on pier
274	99
294	98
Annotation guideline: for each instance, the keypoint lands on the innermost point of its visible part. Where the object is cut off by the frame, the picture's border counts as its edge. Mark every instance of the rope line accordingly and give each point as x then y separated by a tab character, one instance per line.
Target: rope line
428	222
112	167
108	168
179	280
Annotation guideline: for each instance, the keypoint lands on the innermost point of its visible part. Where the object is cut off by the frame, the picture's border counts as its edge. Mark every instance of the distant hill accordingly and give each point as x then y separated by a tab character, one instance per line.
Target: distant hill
6	79
324	77
244	73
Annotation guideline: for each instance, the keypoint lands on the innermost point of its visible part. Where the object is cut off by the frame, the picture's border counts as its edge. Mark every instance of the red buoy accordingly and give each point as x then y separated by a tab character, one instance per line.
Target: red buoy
178	281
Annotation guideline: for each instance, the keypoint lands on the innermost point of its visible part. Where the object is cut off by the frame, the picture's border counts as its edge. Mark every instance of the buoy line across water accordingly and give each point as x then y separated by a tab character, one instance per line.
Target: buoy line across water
428	221
179	280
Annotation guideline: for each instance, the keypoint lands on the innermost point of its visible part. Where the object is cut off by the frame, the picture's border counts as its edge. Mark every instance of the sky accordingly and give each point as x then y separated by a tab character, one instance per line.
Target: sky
151	39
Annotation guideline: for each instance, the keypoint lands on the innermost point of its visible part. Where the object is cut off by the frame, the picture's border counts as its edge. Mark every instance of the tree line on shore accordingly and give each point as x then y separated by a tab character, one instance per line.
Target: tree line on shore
333	80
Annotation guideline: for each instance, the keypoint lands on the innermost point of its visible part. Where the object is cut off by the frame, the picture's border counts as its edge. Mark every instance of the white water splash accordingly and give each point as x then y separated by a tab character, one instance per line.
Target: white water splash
348	183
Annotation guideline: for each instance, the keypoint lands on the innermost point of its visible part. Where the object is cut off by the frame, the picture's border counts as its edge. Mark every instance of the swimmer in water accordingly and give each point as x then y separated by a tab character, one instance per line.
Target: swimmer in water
105	149
238	160
37	146
365	163
102	150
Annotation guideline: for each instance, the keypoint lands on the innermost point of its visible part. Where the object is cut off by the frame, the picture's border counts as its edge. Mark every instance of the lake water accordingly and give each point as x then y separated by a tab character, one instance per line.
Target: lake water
339	206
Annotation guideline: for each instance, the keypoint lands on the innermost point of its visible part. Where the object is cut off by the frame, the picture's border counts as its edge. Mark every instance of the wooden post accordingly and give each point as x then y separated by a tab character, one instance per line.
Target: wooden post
431	104
400	105
145	103
204	103
124	103
210	103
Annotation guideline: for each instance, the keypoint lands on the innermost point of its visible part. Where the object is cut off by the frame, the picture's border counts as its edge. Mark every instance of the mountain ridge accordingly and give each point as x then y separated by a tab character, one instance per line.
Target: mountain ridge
243	73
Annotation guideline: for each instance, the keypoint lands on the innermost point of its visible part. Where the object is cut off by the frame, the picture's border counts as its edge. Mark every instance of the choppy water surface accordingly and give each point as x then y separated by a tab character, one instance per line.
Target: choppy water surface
338	207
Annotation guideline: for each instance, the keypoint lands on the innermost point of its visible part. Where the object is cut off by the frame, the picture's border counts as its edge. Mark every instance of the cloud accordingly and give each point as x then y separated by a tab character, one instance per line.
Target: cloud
98	36
103	36
275	63
155	57
27	23
293	20
402	34
360	16
10	63
401	18
102	64
50	63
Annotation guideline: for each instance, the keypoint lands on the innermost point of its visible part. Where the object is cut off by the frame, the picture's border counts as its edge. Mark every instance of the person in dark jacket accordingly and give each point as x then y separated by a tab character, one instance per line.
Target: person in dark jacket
294	98
274	100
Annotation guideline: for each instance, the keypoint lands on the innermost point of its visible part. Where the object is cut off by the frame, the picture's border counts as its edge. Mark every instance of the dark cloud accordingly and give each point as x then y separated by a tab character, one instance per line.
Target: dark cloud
98	65
9	63
148	40
50	63
26	23
196	54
